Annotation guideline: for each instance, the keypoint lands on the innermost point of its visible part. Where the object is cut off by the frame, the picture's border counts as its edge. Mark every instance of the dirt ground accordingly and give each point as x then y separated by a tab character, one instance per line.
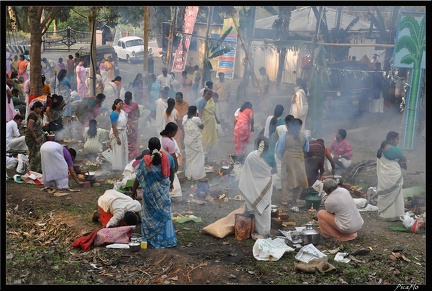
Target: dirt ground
41	227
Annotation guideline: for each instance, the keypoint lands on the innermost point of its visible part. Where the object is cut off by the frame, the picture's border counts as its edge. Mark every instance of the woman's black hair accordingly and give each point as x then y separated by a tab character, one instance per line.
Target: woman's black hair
37	104
60	102
118	78
390	137
245	105
278	111
294	127
266	143
139	75
43	79
170	127
100	96
117	101
72	153
192	111
92	128
154	144
62	73
170	108
128	97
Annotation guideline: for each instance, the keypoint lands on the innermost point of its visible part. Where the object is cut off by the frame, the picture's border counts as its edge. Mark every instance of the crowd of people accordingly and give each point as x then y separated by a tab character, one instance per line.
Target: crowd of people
285	160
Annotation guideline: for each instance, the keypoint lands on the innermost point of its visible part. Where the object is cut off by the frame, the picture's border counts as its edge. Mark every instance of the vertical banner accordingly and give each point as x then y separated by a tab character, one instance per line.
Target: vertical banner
180	56
226	61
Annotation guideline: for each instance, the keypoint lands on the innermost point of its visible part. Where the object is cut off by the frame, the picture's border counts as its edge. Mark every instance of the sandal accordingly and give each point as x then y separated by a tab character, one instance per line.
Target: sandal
238	198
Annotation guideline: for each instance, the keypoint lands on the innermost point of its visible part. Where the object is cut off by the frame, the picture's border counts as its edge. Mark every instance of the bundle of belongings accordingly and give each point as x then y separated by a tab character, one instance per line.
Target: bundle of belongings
104	236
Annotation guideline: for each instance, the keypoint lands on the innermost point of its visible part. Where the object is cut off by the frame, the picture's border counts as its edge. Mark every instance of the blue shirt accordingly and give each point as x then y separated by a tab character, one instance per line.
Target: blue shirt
114	116
200	104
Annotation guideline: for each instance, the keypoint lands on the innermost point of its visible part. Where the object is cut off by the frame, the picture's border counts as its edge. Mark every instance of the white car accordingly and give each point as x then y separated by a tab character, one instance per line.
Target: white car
130	49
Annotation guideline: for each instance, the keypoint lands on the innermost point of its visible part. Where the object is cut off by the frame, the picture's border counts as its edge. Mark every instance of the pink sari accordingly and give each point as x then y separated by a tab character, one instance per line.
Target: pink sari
133	117
242	131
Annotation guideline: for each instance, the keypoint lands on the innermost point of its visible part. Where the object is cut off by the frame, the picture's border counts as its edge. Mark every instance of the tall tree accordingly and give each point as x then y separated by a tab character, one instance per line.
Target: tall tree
13	19
38	29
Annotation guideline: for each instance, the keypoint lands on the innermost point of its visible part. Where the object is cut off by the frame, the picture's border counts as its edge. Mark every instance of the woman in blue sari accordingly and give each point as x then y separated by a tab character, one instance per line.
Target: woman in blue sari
155	175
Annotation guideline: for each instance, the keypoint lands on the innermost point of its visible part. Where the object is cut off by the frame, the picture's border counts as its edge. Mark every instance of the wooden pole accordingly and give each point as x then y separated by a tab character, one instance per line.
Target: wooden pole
146	23
171	39
92	20
205	58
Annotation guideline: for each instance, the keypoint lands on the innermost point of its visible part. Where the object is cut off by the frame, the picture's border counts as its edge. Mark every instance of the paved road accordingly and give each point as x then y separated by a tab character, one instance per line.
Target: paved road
127	71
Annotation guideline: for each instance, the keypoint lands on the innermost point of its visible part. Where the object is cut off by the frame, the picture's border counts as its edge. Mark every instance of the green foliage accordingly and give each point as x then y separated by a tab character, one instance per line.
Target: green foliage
78	19
131	15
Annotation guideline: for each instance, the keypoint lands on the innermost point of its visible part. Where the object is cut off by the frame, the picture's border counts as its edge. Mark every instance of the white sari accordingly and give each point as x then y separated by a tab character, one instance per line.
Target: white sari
120	153
256	187
390	196
194	150
299	108
277	176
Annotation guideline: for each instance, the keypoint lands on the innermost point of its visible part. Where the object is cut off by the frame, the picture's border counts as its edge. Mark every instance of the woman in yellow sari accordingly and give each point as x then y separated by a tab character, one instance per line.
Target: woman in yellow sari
207	113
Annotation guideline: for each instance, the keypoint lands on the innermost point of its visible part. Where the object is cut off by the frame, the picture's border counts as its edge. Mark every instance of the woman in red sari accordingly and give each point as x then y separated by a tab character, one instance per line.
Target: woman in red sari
132	109
243	126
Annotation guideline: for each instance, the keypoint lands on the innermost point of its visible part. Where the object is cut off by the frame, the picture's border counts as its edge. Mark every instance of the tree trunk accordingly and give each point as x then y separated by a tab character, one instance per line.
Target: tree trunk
206	62
37	30
25	20
35	50
13	18
92	24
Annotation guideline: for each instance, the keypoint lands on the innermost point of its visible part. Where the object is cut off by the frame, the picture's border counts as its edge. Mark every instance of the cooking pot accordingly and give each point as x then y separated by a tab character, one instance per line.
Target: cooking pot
135	246
225	170
274	211
89	176
310	235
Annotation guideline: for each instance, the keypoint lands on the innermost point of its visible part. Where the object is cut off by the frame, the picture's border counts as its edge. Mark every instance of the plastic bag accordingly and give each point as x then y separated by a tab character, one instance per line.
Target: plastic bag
269	249
407	220
318	186
308	253
11	162
22	164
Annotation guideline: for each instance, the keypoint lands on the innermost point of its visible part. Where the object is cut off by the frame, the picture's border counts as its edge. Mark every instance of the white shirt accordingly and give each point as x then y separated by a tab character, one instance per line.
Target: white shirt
342	205
176	85
117	204
165	81
11	132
